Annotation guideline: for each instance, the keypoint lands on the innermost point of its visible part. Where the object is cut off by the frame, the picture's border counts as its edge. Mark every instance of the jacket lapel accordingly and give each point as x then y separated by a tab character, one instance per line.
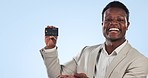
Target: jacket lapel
121	55
92	61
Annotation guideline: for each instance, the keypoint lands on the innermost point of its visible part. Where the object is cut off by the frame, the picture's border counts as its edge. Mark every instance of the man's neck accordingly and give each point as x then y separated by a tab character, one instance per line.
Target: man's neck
110	46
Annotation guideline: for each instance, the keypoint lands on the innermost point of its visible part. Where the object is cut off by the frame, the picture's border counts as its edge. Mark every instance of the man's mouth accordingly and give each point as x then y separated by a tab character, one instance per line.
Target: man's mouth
114	29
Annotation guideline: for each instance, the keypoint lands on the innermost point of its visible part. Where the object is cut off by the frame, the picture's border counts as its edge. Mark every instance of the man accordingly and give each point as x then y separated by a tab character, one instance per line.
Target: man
115	58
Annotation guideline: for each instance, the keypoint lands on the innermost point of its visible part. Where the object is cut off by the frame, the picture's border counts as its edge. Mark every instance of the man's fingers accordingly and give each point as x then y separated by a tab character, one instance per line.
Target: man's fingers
51	37
50	41
51	27
80	75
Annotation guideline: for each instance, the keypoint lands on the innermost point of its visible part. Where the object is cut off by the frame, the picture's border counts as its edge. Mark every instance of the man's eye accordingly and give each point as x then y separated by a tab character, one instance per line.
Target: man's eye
108	20
120	20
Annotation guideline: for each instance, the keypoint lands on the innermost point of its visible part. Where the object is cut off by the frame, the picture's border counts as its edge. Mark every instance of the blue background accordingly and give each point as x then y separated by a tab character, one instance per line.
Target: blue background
22	24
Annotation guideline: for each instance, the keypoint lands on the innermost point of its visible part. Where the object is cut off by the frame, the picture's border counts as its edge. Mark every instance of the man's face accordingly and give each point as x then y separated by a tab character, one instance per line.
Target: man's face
114	24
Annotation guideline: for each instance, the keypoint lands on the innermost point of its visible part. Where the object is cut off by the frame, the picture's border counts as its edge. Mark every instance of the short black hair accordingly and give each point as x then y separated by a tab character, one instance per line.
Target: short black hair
116	4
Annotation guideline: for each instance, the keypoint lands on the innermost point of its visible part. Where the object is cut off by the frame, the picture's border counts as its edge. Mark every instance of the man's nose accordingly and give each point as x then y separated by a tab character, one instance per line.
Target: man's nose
114	22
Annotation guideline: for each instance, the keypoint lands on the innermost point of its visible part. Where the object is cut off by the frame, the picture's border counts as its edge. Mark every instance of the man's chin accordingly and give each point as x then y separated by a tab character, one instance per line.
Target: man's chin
113	39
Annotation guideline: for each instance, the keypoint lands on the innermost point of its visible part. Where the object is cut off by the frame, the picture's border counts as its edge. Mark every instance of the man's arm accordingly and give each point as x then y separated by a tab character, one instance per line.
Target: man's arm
137	69
51	62
54	69
50	57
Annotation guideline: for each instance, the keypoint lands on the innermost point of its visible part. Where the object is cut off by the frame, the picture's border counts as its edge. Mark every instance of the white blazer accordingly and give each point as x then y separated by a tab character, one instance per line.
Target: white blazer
129	63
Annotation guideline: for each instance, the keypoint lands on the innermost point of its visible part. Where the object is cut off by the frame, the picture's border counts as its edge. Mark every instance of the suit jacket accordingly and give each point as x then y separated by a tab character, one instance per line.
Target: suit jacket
129	63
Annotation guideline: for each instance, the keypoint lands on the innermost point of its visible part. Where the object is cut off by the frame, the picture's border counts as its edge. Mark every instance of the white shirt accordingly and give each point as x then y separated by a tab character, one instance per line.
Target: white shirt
105	60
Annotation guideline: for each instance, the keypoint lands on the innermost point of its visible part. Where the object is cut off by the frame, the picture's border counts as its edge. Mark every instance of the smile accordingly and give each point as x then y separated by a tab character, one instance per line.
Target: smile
113	29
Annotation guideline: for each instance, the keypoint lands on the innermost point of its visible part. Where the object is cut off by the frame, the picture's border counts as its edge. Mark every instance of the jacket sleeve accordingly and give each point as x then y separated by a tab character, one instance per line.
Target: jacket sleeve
51	62
137	69
54	69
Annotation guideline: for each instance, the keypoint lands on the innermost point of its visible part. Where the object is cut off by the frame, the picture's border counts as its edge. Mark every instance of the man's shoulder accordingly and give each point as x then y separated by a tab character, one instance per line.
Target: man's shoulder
137	53
92	47
134	54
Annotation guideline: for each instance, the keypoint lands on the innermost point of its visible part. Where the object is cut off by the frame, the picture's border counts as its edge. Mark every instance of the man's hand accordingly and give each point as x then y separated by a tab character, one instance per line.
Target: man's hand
80	75
66	76
77	75
50	40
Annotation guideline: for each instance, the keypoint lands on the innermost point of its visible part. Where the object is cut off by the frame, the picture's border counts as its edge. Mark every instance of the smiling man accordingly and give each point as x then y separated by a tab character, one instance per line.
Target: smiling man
114	24
115	58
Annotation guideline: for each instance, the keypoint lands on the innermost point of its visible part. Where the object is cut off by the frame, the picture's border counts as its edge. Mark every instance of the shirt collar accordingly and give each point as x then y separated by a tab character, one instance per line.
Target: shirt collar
117	50
120	47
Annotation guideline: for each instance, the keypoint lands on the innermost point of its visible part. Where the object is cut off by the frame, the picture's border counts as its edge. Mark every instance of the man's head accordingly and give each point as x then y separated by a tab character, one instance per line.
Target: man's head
115	21
116	4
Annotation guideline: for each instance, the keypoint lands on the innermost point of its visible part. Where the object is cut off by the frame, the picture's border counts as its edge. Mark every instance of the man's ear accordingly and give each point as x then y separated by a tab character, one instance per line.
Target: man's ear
102	23
128	23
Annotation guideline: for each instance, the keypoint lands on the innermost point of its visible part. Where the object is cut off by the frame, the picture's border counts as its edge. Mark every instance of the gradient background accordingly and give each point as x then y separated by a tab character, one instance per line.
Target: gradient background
22	24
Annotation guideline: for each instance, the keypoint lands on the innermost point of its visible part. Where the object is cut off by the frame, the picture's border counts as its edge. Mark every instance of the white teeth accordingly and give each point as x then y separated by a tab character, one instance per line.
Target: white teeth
113	29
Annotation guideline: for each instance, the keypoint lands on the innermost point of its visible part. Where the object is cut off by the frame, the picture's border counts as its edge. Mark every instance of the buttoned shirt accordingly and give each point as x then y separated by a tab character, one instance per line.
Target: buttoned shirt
105	59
